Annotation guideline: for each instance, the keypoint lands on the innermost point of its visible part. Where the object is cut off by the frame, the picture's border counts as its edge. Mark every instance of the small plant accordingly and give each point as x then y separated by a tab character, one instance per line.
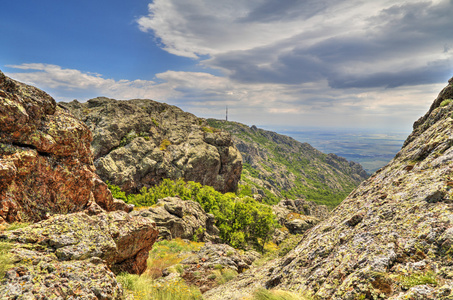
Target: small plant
5	258
263	294
207	129
155	122
408	281
164	144
446	102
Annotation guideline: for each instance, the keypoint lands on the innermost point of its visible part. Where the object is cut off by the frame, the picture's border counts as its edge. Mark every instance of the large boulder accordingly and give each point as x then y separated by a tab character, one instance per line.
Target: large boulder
389	239
76	256
176	218
46	164
140	142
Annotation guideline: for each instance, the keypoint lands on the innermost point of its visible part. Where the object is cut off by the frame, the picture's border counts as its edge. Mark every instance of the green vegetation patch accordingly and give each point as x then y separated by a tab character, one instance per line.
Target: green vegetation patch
242	221
164	144
263	294
5	258
146	288
410	280
446	102
128	138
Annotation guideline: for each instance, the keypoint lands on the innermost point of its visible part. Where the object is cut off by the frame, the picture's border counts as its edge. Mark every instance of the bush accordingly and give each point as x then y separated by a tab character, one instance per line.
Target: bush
242	221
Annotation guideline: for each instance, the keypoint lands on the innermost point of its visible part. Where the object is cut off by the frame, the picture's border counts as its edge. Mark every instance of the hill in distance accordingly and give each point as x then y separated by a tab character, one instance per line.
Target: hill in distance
278	166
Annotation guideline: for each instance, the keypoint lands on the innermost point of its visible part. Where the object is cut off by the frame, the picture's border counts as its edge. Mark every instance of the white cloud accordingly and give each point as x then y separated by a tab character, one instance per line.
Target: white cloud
383	43
204	94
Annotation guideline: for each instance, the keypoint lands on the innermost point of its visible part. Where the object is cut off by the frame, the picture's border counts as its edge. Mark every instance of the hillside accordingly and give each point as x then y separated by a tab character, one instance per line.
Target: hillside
391	238
277	165
137	143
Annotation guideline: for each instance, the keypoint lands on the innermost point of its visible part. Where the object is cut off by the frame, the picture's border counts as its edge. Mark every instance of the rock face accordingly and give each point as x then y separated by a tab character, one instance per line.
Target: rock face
46	164
279	165
176	218
299	215
139	142
391	238
72	255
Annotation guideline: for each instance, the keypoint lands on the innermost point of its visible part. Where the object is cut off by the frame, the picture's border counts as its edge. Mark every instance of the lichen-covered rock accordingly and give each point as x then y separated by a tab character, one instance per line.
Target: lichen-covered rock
46	163
140	142
74	255
390	239
204	268
186	219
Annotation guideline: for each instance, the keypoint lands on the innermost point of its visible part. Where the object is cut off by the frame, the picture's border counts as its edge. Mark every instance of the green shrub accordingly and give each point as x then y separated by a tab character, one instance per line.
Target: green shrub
241	221
207	129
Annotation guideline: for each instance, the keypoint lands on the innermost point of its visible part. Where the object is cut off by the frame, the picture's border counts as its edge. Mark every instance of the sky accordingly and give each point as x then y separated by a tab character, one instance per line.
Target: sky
374	65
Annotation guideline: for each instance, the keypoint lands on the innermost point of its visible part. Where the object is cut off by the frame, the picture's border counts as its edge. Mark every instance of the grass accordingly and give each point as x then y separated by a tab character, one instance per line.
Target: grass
168	253
446	102
263	294
5	258
164	254
223	275
146	288
410	280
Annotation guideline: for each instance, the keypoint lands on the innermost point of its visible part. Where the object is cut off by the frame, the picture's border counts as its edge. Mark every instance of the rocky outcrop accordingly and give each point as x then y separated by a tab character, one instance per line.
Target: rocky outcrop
46	165
206	267
137	143
279	165
176	218
390	239
71	256
298	215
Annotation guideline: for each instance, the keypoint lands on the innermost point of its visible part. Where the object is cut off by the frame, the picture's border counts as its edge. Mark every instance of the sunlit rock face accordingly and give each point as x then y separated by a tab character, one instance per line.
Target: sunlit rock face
46	165
390	239
137	143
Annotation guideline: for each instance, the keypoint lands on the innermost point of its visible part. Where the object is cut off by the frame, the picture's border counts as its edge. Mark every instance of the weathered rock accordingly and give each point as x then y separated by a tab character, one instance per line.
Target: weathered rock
277	164
176	218
393	230
297	216
204	267
72	255
46	164
140	142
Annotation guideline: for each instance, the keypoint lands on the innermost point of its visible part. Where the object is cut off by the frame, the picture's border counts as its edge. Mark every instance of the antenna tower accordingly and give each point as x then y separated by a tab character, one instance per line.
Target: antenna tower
226	118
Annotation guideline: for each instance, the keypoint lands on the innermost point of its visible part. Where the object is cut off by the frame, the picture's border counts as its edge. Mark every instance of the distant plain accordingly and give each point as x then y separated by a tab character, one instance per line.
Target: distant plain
372	150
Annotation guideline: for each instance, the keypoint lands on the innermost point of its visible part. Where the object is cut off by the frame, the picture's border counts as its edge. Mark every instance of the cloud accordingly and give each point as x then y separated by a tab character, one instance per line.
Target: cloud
351	44
204	94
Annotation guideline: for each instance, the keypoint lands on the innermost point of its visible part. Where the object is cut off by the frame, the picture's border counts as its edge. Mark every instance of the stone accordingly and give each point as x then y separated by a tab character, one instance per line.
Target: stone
46	165
185	219
137	143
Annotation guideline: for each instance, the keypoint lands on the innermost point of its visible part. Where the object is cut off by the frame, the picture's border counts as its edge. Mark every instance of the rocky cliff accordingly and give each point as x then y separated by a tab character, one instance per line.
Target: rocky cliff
280	165
391	238
46	165
139	142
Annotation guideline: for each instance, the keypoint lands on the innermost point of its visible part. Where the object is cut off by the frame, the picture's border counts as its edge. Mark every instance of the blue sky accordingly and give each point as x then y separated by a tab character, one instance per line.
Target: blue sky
277	64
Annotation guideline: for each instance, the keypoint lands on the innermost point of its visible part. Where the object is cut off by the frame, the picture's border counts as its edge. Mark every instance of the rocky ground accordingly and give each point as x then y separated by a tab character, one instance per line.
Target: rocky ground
390	239
138	143
74	255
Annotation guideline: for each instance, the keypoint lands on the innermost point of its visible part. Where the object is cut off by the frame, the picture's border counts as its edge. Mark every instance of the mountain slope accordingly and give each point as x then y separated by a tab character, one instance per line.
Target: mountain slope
392	238
278	164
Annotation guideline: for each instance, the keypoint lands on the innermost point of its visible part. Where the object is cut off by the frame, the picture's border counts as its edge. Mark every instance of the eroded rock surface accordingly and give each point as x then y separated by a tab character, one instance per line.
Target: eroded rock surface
140	142
76	255
186	219
393	230
46	164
